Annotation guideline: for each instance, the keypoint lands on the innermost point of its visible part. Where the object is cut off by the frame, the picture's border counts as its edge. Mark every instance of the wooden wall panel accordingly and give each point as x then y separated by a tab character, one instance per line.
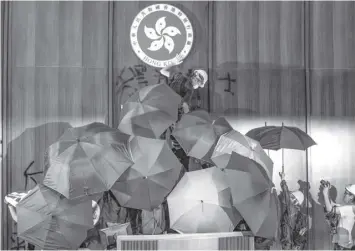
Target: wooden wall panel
331	124
260	45
332	40
124	57
58	79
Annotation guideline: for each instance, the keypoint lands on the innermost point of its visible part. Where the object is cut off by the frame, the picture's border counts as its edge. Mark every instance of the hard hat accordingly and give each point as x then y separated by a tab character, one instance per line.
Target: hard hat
96	212
299	196
203	75
350	189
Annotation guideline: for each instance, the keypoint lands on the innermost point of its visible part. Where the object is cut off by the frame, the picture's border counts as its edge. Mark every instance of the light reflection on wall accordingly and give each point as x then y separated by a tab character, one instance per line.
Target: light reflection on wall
295	161
17	129
332	158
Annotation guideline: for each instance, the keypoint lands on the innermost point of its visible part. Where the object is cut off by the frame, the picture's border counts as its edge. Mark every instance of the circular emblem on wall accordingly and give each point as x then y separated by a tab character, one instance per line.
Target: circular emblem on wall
161	34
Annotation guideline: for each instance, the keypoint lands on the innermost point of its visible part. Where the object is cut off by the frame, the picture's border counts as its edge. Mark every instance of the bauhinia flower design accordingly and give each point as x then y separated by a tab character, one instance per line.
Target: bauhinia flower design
161	35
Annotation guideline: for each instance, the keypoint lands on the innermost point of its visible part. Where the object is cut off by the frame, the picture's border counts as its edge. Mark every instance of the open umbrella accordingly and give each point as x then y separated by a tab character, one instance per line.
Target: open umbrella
253	195
196	134
277	137
281	137
49	221
150	111
87	160
222	126
152	176
201	203
234	141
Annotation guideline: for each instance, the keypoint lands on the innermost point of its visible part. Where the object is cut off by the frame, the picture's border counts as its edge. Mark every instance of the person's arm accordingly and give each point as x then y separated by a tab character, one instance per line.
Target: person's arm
13	212
166	70
286	231
329	204
332	212
285	191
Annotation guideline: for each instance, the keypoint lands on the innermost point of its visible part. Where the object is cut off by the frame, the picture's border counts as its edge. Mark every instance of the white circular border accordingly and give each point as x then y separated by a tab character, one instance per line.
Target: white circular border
137	21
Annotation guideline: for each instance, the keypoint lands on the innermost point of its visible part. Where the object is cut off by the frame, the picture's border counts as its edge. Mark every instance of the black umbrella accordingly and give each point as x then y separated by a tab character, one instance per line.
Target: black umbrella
281	137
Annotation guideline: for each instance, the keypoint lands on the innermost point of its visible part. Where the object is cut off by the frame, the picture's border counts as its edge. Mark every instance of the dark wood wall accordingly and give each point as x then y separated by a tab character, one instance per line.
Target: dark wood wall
57	78
272	62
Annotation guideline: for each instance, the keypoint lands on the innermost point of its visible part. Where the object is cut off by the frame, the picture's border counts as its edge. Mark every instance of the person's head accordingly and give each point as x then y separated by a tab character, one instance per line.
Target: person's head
199	78
297	198
349	194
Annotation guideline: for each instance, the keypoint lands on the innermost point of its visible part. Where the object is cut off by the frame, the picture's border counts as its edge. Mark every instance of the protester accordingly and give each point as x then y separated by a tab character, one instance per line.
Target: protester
341	217
184	85
294	223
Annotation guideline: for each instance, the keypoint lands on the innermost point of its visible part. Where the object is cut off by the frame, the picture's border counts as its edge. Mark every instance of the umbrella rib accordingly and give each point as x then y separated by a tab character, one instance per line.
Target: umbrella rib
149	197
92	164
69	244
72	223
29	229
158	183
299	136
60	173
188	211
266	189
112	166
292	132
101	178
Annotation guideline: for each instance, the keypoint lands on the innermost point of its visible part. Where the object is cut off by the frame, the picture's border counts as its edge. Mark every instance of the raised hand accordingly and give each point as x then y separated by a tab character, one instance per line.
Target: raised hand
282	175
178	60
325	185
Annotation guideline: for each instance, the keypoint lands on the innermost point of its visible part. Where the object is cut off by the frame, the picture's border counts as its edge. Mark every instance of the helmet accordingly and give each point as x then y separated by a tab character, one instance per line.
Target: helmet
203	75
350	189
299	196
95	212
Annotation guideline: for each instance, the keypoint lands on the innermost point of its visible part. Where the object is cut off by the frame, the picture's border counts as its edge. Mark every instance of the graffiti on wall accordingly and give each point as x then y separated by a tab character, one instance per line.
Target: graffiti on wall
30	175
131	79
230	81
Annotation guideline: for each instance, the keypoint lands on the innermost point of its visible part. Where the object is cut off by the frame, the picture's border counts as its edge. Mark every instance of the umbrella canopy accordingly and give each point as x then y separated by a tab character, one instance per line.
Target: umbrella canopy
234	141
152	176
87	160
196	134
253	195
222	126
48	220
201	203
150	111
277	137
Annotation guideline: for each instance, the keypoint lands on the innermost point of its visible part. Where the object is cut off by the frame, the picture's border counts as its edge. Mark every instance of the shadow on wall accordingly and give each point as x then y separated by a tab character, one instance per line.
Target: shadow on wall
257	89
24	164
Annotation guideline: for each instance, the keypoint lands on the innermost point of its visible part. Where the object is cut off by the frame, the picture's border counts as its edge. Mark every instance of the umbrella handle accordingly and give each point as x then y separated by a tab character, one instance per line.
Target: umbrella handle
283	162
155	223
268	152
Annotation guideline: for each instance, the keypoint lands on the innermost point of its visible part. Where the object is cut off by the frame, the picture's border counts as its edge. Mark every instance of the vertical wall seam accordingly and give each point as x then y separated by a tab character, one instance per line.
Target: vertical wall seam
211	51
6	113
307	96
110	105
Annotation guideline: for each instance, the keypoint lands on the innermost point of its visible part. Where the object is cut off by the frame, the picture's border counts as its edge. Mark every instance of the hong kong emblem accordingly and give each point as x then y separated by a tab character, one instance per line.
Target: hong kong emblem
161	34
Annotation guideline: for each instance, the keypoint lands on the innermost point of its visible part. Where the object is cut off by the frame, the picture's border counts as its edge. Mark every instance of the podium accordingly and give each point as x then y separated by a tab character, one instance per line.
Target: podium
208	241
